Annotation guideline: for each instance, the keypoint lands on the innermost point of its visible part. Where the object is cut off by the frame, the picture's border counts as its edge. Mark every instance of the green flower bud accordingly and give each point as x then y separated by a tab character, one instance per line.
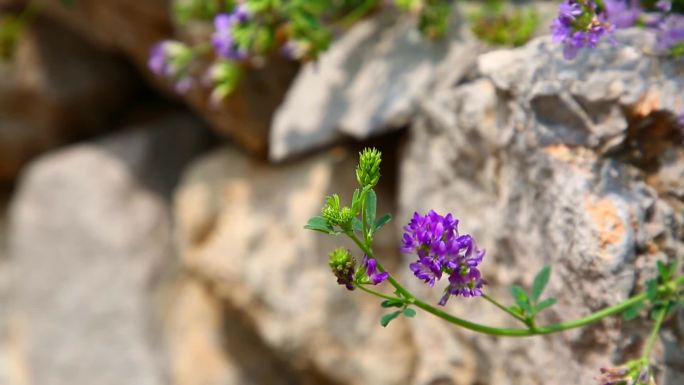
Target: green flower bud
368	169
334	214
343	267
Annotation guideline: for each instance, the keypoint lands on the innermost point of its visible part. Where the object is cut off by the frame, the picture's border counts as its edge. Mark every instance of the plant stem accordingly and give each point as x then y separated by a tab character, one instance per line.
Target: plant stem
646	353
381	295
357	14
405	293
515	332
511	332
504	308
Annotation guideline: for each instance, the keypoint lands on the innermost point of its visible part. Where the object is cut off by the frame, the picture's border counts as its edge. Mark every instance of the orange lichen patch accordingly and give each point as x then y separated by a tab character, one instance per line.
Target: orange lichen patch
648	103
572	155
608	223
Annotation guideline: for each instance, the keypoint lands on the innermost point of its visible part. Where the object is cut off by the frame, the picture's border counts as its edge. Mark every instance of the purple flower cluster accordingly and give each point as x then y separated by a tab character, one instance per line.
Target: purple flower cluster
223	39
170	59
670	31
623	13
580	23
578	26
441	250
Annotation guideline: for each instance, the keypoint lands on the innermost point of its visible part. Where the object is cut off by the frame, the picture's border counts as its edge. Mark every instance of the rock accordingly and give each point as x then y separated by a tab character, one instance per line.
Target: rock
246	240
367	83
548	162
89	242
56	89
133	27
208	346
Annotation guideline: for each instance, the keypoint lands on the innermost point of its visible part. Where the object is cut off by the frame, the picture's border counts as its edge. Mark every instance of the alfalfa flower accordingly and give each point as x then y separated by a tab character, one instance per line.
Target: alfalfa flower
580	24
224	39
343	267
442	250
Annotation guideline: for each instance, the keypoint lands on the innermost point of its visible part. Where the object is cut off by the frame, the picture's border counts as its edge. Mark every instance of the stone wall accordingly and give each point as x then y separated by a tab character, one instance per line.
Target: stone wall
161	254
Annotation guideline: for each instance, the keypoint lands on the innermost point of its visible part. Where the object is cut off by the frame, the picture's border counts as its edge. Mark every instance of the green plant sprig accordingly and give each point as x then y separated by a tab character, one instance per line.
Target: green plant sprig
664	293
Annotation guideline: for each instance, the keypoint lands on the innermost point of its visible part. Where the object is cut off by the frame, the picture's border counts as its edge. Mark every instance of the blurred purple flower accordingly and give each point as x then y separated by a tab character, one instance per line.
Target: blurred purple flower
223	40
671	31
572	29
623	13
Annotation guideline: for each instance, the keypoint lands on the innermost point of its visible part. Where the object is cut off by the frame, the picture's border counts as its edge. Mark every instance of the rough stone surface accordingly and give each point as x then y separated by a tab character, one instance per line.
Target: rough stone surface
574	165
367	83
240	228
89	239
56	89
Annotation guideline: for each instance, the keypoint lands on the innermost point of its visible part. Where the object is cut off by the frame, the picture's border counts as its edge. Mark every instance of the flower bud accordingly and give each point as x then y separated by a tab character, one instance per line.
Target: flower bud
335	215
368	169
343	267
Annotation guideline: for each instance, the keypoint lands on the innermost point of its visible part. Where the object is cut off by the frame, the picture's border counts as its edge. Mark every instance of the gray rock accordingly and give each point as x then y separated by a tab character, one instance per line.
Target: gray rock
240	227
89	239
367	83
570	164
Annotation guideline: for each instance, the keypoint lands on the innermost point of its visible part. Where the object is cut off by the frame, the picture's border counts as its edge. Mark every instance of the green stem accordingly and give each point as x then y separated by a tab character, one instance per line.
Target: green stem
381	295
504	308
405	293
357	14
646	353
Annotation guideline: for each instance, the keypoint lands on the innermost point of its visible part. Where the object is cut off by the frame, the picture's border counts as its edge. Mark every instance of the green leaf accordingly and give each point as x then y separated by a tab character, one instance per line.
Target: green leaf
385	219
319	224
516	310
356	201
392	303
410	313
520	298
387	318
356	224
540	282
371	201
633	311
652	289
544	305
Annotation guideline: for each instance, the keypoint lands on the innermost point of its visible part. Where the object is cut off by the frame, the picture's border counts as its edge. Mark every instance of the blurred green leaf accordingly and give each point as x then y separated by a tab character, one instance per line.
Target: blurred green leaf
540	282
652	289
541	306
371	201
392	303
521	298
385	219
633	311
387	318
410	313
319	224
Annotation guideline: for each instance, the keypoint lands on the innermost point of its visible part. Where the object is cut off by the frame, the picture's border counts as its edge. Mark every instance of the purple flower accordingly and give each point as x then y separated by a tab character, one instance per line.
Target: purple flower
157	61
167	58
223	40
664	5
371	267
427	270
623	13
680	119
466	282
671	31
440	249
578	26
